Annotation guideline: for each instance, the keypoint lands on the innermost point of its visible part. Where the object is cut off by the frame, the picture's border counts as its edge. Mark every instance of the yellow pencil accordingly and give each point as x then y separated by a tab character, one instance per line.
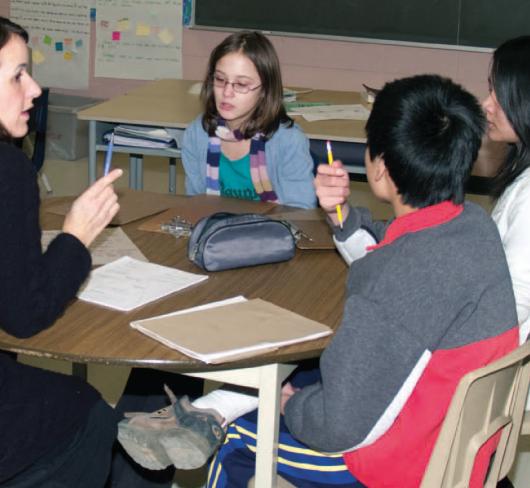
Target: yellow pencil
330	162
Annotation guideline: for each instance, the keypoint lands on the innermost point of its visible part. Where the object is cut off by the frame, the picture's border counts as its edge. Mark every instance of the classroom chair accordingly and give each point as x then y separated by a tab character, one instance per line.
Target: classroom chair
488	404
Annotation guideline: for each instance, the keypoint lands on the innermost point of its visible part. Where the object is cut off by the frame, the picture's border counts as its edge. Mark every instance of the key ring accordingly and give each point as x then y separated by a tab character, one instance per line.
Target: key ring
177	227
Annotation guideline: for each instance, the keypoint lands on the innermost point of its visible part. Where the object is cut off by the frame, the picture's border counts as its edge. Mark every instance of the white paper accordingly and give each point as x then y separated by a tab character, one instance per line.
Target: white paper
329	112
59	36
127	283
139	39
216	357
110	245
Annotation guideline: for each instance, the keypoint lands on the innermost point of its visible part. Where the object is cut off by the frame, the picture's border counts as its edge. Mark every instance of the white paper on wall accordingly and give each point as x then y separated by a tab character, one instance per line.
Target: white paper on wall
139	39
59	36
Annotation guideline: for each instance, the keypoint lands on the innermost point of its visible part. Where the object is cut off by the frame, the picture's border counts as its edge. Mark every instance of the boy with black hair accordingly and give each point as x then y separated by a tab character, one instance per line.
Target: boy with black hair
429	298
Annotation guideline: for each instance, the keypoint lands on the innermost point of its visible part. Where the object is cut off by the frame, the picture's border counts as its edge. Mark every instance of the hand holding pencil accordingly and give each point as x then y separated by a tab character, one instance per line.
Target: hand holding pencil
93	209
332	186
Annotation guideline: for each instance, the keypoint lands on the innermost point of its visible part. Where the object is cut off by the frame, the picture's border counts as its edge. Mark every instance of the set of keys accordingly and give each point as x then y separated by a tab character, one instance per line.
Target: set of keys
177	227
297	232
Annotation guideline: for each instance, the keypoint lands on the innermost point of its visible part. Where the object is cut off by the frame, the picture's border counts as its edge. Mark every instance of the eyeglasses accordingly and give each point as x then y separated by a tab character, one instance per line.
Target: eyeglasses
238	87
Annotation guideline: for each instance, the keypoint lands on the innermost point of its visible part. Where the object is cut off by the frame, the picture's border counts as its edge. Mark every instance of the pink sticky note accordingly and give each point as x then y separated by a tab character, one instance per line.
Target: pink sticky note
116	35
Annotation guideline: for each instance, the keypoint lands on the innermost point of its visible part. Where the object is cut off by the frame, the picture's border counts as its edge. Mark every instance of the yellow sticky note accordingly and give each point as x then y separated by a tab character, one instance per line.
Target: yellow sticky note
123	25
142	29
165	36
68	56
37	57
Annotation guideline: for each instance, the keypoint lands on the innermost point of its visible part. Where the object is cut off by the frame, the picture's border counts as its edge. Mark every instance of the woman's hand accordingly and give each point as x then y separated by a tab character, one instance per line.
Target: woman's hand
332	185
93	209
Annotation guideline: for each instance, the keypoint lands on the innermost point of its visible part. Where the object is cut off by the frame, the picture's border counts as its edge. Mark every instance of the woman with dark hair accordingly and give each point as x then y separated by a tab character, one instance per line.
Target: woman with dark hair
507	110
508	113
244	145
56	431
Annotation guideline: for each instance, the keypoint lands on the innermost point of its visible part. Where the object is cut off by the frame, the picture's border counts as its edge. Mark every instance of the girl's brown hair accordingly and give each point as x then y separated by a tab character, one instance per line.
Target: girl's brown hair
269	111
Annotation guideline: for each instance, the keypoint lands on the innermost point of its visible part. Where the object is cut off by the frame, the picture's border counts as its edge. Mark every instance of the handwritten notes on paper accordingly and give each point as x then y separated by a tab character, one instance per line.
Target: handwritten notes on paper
139	39
127	283
110	245
59	38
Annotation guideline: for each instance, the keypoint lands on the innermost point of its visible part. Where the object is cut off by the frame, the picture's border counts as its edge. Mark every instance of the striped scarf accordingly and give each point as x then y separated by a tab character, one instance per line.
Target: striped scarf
258	166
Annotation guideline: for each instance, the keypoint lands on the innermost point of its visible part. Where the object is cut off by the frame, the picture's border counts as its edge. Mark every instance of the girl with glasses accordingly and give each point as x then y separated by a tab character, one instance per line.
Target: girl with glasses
244	145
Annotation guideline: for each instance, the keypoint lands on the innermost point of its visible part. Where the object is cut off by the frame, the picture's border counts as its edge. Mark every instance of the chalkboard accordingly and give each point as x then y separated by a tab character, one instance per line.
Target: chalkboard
476	23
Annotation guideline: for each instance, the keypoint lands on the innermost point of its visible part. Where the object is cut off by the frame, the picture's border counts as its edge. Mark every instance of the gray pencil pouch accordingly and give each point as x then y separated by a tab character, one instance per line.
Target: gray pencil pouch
226	240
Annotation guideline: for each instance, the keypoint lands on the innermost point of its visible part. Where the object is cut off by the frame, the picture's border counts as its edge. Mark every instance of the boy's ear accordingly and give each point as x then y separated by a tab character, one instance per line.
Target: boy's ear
379	168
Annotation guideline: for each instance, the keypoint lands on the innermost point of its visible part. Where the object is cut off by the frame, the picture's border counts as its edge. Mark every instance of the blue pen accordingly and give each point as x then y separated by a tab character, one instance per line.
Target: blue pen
108	156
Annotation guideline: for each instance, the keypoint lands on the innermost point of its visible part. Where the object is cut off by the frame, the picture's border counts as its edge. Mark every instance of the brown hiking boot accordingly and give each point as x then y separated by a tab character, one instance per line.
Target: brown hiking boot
138	434
179	434
195	437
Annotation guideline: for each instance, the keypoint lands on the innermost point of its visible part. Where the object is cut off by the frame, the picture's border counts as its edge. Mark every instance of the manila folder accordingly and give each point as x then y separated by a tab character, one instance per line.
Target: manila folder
230	332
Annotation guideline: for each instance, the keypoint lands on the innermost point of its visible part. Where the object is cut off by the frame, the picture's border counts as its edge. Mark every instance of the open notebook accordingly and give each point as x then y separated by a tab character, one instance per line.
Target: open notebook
231	329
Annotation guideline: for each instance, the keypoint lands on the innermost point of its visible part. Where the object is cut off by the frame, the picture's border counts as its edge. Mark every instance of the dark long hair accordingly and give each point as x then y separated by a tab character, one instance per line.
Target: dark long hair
510	78
7	30
269	112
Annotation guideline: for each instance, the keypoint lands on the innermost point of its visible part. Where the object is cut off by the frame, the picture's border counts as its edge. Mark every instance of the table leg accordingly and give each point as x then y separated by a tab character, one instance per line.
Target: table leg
92	153
172	175
268	380
132	171
139	172
80	370
271	377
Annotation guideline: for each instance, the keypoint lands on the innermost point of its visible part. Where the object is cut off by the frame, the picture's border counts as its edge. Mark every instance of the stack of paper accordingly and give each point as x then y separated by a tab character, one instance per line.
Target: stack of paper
292	108
142	136
329	112
290	94
231	329
127	283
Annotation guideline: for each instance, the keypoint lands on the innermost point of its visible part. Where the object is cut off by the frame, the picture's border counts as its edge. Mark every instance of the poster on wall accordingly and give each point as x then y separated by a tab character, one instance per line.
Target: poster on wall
139	39
59	37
